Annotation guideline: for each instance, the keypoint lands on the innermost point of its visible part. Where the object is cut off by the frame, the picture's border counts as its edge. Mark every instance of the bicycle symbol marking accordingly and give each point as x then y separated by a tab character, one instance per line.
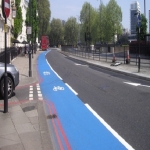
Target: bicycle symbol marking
46	73
58	88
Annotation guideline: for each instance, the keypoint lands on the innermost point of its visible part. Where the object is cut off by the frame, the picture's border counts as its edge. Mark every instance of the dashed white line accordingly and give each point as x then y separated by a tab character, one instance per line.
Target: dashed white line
40	97
39	92
71	89
31	93
38	89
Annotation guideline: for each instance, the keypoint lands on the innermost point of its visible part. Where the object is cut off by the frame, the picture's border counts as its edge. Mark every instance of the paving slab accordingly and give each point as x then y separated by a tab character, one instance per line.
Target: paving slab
31	140
23	128
17	146
9	139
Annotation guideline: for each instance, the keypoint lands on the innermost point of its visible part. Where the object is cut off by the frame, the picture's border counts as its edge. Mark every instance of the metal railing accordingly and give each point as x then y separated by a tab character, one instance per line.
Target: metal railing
11	53
108	52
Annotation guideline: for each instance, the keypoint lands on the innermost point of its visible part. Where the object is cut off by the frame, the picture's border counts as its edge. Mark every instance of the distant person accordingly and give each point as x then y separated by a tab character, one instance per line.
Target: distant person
35	47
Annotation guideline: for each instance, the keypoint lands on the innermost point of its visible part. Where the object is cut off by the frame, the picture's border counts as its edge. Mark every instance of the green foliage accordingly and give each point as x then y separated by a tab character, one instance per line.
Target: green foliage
103	23
32	20
143	28
18	20
56	32
71	30
86	22
113	19
44	17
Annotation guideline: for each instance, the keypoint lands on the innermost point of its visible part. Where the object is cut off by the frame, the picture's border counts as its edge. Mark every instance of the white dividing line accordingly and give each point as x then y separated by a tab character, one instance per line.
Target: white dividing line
71	89
129	147
38	88
81	65
53	70
31	93
39	92
40	96
136	84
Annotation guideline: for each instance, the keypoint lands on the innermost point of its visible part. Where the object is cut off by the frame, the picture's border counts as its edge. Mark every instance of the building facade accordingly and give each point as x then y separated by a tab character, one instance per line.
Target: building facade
23	36
134	9
10	24
149	21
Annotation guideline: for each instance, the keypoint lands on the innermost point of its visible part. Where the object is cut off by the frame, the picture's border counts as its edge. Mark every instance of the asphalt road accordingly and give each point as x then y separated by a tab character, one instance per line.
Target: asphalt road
124	107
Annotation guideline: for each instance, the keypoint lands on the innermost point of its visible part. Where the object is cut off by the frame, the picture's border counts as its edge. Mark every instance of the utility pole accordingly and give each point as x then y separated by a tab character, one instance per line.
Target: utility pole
145	8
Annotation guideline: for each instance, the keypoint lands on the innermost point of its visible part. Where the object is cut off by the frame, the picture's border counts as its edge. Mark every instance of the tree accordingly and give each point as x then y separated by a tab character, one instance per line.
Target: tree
113	19
86	21
143	28
18	20
56	31
32	20
71	31
44	17
101	22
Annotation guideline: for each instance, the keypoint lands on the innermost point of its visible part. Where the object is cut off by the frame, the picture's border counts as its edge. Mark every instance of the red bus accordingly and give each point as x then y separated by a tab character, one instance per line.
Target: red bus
44	43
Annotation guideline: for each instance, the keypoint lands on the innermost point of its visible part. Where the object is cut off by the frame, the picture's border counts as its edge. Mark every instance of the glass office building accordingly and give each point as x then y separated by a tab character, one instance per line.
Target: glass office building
149	21
134	9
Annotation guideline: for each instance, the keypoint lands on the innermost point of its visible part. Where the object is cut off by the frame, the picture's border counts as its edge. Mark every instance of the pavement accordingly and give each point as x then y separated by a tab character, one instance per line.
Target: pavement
127	69
25	126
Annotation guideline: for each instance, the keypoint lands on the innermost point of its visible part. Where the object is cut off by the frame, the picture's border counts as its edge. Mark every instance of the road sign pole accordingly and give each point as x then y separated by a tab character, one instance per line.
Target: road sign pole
6	12
139	58
5	74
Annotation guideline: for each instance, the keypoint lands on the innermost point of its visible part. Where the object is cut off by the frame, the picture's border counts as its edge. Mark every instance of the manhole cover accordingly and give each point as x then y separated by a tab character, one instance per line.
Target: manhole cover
28	108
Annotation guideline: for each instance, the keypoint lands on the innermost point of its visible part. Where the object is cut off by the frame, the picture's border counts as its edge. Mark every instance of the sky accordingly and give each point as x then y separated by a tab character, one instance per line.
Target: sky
63	9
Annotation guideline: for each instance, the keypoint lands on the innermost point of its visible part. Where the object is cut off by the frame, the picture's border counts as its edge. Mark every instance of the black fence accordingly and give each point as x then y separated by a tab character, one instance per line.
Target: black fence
11	53
126	54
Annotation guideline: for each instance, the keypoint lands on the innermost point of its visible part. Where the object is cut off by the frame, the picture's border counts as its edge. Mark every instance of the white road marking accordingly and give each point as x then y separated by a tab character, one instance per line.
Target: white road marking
129	147
136	84
38	89
31	99
40	99
81	65
40	96
53	70
30	95
39	92
71	89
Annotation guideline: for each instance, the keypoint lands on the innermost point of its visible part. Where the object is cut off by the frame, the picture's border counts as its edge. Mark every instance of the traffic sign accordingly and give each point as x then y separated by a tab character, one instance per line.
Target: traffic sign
139	20
6	8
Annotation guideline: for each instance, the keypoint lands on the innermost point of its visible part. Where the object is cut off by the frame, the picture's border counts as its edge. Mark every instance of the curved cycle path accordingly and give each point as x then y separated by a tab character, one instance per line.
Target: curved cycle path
74	124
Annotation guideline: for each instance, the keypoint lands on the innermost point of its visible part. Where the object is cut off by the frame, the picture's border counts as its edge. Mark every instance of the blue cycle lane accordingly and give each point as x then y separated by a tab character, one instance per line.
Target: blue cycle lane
75	126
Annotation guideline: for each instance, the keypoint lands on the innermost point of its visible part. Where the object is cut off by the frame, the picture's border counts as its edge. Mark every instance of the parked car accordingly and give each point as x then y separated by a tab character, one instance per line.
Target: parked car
12	76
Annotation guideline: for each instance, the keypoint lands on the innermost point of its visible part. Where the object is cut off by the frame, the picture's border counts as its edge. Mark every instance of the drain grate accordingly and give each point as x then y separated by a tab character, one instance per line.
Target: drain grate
28	108
53	116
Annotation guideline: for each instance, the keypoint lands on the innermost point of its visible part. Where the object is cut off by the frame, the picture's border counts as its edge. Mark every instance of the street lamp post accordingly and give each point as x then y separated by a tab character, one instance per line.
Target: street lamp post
145	8
139	25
